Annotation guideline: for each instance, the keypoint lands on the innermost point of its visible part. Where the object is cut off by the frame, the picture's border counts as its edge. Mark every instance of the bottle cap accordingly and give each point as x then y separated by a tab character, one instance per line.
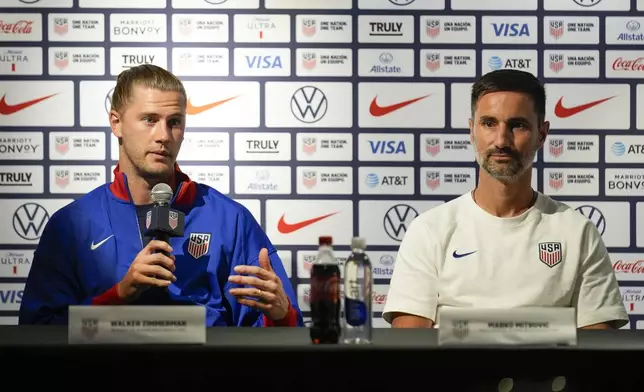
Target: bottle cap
325	240
358	243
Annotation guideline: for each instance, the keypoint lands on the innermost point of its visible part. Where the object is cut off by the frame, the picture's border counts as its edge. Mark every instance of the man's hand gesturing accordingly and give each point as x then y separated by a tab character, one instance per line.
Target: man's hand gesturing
265	287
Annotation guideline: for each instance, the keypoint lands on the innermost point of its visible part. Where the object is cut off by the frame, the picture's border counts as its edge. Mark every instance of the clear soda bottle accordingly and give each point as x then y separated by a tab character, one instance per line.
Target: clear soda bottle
325	295
358	287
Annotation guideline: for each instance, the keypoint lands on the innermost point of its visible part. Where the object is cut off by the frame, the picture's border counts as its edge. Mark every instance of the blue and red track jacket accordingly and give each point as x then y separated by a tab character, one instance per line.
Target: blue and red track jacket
87	247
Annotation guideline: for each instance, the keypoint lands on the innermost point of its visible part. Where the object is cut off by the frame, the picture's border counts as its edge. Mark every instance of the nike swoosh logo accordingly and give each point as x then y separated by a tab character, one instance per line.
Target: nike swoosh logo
563	112
191	109
95	246
379	111
6	109
286	228
458	256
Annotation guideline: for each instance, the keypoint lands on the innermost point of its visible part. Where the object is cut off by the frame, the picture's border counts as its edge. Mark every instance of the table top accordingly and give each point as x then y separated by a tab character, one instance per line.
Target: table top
298	339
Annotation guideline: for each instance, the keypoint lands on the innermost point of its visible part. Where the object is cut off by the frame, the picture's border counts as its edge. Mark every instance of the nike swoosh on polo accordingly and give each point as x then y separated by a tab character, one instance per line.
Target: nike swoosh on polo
286	228
458	256
6	109
95	246
379	111
191	109
563	112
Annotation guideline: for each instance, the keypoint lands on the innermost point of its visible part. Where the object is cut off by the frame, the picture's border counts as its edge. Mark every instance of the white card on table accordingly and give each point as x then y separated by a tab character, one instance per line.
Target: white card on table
517	326
137	324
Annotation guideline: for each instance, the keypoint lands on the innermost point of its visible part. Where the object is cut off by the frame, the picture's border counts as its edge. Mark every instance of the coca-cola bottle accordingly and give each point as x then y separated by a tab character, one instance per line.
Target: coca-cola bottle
325	295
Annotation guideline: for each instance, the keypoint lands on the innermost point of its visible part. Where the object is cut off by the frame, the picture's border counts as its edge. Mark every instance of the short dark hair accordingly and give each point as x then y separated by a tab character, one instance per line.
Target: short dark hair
511	80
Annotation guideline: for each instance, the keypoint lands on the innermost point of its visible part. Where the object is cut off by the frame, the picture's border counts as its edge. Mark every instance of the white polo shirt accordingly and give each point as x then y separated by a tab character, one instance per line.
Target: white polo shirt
459	255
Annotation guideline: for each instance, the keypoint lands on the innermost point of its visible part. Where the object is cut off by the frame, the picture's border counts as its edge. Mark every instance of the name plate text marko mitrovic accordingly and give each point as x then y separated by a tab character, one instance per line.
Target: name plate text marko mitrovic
534	326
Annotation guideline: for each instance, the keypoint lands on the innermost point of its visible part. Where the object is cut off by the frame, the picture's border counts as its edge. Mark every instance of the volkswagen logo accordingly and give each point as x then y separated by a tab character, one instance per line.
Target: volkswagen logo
29	221
397	220
401	2
595	216
309	104
108	101
215	1
587	3
29	1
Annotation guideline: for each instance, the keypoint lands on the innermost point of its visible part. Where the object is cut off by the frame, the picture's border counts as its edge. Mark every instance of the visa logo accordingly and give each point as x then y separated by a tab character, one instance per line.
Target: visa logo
511	30
264	62
390	147
11	296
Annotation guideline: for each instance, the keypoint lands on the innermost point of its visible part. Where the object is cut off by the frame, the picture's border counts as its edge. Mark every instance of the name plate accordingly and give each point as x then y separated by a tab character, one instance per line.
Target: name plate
137	325
518	326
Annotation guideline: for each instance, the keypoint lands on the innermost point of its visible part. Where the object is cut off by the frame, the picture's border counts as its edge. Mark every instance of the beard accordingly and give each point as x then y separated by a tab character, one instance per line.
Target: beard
147	168
155	171
508	171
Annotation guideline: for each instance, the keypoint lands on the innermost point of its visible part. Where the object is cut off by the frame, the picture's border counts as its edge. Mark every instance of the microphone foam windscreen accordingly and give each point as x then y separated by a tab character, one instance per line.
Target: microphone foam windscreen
161	193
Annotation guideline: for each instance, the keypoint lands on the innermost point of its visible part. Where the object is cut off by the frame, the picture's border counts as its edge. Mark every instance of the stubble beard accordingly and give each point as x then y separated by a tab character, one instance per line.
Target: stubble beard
149	171
507	172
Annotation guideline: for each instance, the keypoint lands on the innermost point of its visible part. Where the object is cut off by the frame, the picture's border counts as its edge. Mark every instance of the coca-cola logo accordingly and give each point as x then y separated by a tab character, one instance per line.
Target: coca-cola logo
628	65
307	295
379	299
19	27
635	267
325	289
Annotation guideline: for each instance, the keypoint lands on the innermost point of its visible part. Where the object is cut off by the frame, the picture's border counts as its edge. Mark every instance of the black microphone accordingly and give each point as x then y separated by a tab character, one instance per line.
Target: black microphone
161	221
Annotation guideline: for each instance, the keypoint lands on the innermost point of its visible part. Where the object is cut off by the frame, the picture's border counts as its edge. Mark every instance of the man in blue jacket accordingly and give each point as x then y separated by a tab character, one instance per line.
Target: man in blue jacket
94	250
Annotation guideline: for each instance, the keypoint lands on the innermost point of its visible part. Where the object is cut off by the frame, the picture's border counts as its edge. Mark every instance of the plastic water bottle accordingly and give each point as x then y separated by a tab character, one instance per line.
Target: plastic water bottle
358	287
325	295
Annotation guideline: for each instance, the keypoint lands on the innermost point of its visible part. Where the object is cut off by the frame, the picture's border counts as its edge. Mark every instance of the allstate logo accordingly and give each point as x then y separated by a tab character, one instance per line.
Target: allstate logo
387	259
495	63
633	25
618	148
386	57
372	180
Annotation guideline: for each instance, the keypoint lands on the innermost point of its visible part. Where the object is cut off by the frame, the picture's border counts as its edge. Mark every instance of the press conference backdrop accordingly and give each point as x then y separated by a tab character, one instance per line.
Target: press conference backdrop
340	117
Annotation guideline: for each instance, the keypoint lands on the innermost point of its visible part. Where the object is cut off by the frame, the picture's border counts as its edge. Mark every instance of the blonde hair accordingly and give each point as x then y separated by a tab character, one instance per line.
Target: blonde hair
146	75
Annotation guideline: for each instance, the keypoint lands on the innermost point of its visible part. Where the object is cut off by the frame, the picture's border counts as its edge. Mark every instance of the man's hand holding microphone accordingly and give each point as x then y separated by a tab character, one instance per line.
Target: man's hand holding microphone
150	268
154	266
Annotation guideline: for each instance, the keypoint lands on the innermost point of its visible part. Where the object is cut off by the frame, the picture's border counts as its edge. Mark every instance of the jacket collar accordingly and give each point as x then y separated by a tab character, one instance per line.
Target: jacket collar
185	194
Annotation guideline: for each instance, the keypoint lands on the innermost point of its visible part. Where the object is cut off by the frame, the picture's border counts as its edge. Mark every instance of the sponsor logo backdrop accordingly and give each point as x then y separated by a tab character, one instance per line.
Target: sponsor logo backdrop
340	117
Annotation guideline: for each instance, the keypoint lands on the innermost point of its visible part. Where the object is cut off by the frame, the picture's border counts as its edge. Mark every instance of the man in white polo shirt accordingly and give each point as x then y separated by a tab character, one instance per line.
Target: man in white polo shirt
504	245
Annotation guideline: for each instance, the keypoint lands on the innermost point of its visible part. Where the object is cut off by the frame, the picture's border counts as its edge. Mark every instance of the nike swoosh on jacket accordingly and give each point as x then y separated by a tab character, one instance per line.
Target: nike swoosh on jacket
65	271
